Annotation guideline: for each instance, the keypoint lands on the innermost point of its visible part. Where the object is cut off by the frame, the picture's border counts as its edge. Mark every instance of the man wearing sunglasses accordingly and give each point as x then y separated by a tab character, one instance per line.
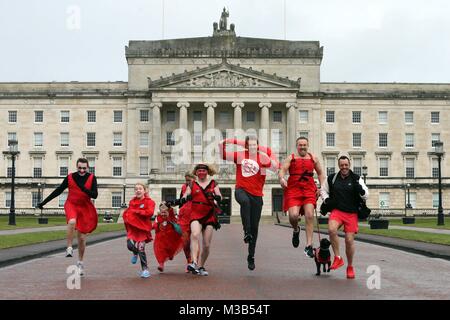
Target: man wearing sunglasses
80	211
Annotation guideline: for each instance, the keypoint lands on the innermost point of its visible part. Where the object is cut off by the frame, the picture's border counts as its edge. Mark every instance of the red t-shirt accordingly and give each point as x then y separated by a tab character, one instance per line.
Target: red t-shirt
251	172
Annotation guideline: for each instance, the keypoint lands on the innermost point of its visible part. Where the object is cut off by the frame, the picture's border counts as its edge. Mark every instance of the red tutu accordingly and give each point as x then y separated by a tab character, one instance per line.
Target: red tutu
168	242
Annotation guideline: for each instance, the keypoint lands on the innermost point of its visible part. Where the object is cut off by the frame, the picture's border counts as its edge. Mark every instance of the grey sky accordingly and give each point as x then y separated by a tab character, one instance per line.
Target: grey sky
364	40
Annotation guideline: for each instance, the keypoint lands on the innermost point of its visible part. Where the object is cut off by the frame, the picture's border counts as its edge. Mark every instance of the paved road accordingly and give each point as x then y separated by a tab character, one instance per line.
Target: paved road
282	272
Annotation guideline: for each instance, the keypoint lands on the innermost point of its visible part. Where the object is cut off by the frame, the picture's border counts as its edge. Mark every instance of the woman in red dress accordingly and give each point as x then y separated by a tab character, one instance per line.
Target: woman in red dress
137	219
204	195
168	236
300	191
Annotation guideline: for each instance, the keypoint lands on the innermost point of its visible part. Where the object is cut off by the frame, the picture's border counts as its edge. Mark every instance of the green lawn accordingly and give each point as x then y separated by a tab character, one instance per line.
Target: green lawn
422	223
15	240
32	222
409	235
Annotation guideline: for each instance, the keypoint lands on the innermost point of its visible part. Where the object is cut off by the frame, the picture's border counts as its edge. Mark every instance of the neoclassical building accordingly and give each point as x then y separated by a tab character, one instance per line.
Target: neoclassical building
216	86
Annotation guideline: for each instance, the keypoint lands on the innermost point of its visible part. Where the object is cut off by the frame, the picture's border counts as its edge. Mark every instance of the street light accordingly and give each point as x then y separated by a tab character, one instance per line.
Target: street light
13	152
408	205
364	173
439	151
124	204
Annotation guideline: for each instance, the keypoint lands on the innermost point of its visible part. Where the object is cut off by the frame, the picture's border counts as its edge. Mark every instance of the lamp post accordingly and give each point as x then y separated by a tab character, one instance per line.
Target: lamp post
124	204
408	205
439	150
13	152
364	173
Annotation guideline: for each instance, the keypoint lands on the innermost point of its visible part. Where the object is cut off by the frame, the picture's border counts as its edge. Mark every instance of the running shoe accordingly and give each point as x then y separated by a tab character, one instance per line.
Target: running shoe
296	238
251	263
69	252
145	273
192	267
80	267
350	272
202	271
134	259
161	267
309	251
337	263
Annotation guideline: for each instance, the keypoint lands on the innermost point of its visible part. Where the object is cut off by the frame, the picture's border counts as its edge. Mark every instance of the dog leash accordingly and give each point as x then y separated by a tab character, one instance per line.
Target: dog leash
317	222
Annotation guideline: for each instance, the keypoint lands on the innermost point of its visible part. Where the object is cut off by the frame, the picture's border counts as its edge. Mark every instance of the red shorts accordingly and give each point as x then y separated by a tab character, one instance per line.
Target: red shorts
348	219
300	201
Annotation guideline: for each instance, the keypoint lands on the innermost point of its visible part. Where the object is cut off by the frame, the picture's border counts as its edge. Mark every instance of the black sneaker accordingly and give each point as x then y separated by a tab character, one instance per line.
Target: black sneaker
296	238
248	237
202	271
192	267
309	251
251	263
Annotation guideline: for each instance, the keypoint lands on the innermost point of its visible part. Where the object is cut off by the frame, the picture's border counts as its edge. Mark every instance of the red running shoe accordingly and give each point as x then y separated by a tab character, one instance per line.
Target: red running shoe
337	263
350	273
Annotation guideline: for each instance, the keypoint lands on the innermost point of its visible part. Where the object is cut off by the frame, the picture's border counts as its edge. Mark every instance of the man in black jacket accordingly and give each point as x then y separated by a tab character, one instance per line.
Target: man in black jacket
342	193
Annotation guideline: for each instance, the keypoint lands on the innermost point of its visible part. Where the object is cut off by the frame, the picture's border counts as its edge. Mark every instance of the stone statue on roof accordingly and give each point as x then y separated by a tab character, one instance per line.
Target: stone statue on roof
223	20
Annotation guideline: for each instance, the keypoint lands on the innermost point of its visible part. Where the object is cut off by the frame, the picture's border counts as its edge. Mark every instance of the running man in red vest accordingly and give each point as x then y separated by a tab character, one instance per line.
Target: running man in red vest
80	211
300	191
251	166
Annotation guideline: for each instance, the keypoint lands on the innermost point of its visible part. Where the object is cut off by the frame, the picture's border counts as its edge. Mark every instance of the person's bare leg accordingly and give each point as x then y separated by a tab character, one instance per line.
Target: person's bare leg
309	223
294	217
207	236
333	227
196	230
350	247
70	231
81	245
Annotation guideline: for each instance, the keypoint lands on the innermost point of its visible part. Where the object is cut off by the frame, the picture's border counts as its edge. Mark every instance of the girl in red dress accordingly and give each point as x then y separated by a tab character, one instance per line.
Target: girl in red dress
168	236
137	219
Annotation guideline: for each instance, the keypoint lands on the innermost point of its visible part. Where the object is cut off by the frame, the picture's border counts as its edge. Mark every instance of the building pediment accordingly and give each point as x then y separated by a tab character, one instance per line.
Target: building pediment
222	76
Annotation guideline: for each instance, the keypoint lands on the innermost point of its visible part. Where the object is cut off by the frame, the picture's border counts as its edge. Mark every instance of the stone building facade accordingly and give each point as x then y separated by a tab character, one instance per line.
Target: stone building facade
230	85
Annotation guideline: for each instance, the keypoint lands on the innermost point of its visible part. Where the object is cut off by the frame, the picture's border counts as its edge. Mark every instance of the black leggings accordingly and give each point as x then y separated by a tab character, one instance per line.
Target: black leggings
138	248
251	207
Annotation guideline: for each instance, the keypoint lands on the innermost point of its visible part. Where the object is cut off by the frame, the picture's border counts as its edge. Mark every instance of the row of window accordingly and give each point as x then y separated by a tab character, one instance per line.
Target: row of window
116	199
91	116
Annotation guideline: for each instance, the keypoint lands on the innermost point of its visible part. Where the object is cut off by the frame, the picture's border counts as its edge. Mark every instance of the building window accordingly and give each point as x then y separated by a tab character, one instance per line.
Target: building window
277	139
329	116
197	138
11	136
116	199
7	199
35	198
330	139
38	139
170	138
384	167
304	115
90	139
409	117
117	166
143	166
62	199
91	116
117	116
37	167
382	140
12	116
39	116
356	116
65	116
170	116
117	139
357	165
277	116
409	140
64	137
382	117
435	117
304	134
435	203
63	166
435	137
9	169
251	116
409	167
331	165
412	199
224	117
91	161
197	116
144	115
170	166
384	200
356	139
434	168
143	139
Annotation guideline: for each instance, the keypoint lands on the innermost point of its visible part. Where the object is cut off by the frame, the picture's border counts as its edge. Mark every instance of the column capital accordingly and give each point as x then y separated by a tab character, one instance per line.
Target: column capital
291	105
265	105
210	104
237	105
183	104
156	104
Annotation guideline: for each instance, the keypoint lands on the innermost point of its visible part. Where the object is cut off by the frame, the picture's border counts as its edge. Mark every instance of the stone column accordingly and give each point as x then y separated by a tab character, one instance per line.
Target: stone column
183	114
184	134
237	114
210	123
264	127
291	128
209	153
156	136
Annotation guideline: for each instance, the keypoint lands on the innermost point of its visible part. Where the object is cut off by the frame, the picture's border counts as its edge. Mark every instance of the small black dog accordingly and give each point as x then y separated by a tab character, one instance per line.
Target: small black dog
322	256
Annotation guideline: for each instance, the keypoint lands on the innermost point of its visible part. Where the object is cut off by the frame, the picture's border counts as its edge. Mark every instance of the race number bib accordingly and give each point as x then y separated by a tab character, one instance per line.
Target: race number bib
249	167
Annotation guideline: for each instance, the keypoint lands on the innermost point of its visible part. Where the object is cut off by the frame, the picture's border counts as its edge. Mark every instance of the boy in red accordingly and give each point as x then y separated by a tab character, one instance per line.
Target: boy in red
168	236
251	166
184	219
137	219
